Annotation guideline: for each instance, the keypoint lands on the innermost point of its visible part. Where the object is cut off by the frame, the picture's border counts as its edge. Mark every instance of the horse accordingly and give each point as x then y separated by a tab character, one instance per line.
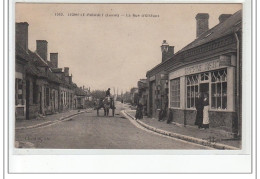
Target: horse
106	103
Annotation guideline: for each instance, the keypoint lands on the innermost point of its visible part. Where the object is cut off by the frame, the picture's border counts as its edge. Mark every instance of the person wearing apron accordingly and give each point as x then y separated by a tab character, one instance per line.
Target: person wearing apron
205	123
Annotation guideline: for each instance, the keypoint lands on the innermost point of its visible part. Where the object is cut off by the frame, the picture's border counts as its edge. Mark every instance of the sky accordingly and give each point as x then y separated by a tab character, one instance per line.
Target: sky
110	51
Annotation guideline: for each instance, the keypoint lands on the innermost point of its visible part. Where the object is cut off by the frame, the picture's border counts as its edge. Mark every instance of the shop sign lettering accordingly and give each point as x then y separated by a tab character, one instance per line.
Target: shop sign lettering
202	67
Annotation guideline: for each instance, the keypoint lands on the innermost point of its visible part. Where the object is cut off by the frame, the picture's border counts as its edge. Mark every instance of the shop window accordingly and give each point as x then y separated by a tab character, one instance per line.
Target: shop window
192	89
219	89
175	92
204	77
19	92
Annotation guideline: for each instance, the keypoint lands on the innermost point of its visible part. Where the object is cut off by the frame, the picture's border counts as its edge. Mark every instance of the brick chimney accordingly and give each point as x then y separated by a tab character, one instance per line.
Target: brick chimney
70	80
42	48
202	23
66	71
54	59
21	34
167	51
223	17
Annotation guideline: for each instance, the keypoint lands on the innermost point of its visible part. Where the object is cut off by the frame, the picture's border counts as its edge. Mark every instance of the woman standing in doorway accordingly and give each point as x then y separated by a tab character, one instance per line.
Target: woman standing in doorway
205	124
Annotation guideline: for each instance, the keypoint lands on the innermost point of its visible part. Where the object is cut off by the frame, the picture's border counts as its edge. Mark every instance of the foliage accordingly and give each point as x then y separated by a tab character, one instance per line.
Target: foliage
97	94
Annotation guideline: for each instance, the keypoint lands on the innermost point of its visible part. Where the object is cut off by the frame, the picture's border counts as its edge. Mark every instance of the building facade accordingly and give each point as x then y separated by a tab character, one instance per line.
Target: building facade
41	88
143	94
211	65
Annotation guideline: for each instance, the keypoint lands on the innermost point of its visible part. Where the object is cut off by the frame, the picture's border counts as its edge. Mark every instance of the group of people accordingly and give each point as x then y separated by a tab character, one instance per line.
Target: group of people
202	107
201	104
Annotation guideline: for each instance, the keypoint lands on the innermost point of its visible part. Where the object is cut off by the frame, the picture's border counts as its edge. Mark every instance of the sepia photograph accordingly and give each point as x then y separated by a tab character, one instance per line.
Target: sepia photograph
128	76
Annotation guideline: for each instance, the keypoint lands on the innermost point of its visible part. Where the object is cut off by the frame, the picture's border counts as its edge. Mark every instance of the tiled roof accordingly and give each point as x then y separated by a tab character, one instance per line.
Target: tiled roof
53	77
38	60
20	52
79	92
229	26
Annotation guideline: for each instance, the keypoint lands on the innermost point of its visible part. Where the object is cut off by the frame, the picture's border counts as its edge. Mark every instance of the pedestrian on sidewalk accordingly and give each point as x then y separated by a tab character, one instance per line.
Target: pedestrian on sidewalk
139	111
205	124
199	104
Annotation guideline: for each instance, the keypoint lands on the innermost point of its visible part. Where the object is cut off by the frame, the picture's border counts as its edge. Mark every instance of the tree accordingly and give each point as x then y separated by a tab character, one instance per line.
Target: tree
97	94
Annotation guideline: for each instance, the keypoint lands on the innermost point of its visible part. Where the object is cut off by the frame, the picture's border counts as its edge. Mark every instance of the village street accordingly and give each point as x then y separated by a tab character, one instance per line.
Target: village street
87	131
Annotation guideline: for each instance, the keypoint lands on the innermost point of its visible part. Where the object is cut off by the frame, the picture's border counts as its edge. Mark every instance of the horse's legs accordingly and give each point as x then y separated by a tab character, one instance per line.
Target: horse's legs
113	112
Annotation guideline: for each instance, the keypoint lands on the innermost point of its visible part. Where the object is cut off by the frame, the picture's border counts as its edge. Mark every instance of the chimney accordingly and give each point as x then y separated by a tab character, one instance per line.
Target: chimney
223	17
21	35
54	59
66	71
41	48
70	80
202	23
167	51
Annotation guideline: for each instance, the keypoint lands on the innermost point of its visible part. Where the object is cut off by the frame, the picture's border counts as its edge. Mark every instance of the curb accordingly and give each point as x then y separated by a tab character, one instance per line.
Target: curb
50	122
184	137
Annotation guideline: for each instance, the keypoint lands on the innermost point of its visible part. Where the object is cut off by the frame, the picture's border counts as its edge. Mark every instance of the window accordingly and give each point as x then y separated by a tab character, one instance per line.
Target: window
219	89
175	92
19	91
192	89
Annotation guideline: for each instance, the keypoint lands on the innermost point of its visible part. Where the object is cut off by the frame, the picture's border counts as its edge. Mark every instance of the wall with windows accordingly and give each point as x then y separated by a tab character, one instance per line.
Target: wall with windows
212	78
66	99
19	96
158	93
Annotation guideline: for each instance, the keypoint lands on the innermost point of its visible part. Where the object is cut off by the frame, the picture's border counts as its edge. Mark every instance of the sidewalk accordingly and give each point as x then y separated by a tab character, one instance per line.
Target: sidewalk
45	120
210	137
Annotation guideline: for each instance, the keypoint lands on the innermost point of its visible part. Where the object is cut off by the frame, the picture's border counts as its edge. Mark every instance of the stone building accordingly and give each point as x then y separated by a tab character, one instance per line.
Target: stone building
134	97
80	98
21	60
41	88
211	64
143	94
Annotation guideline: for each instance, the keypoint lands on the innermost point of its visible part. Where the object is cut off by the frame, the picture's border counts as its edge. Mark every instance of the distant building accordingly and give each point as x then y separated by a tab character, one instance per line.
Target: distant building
143	94
80	98
134	97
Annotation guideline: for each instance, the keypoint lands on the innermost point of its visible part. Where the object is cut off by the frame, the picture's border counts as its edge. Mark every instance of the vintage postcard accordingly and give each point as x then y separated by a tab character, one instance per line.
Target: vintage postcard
129	76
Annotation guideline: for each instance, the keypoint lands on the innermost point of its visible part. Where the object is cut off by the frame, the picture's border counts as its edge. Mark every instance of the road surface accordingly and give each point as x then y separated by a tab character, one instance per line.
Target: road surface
88	131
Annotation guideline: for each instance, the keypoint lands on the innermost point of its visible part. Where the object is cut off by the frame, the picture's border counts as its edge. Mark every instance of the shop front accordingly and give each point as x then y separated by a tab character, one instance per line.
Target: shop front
158	93
214	78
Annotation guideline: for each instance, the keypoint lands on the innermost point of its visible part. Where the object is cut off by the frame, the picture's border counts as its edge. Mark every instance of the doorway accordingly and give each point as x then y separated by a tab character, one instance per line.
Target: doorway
27	99
204	88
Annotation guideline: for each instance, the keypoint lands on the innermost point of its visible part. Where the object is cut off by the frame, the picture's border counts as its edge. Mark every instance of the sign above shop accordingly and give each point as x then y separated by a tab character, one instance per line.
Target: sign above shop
221	62
208	66
202	67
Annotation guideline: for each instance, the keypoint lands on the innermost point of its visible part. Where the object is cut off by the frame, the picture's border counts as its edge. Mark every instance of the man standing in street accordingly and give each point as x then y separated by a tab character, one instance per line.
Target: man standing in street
199	107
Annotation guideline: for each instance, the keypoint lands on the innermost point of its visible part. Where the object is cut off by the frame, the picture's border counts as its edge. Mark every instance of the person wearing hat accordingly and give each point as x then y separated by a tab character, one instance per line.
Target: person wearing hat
108	92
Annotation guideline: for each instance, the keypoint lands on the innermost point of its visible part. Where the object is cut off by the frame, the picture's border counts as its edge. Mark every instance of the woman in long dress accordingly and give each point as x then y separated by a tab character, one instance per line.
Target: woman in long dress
205	124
